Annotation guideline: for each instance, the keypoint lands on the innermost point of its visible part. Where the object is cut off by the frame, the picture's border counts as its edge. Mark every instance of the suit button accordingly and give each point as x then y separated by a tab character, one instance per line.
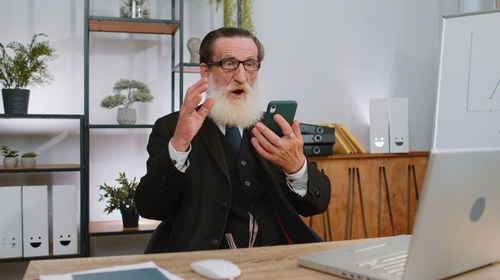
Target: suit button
248	183
214	242
224	206
243	162
316	192
163	177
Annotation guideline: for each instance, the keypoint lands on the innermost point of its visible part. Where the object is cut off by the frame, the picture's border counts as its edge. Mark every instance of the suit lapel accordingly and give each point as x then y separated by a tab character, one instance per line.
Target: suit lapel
210	137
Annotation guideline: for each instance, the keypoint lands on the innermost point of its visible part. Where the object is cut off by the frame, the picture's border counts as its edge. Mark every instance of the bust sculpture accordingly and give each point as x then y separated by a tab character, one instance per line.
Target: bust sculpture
193	45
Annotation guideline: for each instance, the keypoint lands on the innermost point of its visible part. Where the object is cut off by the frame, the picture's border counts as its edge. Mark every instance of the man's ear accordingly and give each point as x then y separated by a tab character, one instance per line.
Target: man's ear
204	70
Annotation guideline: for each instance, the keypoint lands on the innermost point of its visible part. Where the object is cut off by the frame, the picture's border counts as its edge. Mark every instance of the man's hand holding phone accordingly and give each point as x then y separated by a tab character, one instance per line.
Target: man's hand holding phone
286	151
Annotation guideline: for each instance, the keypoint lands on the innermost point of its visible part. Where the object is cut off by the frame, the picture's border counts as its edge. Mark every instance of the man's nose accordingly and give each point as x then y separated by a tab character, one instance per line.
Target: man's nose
239	74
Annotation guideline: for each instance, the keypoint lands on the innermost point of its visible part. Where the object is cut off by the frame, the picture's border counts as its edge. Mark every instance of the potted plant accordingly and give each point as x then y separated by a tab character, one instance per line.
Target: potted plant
134	8
121	198
28	160
229	7
27	66
135	91
9	157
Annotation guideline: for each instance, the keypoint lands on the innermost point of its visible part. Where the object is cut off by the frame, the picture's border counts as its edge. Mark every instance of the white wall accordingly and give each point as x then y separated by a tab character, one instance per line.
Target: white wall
330	55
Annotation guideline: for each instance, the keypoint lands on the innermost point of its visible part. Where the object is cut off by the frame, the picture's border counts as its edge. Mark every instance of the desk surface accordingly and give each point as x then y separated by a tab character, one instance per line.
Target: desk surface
277	262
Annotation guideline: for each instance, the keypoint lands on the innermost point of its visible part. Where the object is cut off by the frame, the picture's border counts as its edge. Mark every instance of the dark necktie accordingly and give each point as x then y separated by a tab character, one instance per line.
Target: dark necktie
233	136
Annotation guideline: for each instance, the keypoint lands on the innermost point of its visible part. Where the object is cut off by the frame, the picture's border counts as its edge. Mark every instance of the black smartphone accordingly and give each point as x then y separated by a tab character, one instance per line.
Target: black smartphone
286	108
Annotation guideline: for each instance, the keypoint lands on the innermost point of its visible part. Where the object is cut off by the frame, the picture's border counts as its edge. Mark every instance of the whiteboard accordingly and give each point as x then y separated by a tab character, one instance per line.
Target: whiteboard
468	100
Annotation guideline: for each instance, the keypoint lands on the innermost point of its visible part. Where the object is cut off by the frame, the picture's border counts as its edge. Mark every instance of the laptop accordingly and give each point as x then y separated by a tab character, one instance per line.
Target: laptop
457	227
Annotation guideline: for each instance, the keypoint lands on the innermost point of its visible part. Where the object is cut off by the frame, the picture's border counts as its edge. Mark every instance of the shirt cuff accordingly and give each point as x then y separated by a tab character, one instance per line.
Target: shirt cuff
297	182
179	159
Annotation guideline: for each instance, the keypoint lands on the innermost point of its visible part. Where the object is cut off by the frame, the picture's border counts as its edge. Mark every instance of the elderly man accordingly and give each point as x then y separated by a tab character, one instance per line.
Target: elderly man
213	192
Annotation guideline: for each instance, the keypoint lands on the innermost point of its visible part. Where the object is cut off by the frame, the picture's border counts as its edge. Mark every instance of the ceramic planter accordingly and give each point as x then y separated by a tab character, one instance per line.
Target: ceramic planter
10	162
126	116
15	101
28	162
130	217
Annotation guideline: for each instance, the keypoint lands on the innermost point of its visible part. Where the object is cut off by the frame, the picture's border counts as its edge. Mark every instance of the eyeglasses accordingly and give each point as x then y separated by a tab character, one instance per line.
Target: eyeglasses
233	64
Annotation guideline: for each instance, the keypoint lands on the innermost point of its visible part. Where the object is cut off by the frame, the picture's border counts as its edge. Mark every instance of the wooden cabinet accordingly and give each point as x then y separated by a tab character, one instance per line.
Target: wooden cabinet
372	194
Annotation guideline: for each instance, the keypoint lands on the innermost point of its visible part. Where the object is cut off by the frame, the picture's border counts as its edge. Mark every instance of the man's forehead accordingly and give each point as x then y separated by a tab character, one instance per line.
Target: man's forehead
239	47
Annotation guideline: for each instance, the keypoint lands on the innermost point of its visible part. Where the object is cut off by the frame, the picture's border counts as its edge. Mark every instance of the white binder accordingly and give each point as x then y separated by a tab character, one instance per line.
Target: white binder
11	236
379	126
64	219
398	125
35	221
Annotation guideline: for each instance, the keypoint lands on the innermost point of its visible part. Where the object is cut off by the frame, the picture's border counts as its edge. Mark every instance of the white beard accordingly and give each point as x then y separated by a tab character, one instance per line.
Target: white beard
241	112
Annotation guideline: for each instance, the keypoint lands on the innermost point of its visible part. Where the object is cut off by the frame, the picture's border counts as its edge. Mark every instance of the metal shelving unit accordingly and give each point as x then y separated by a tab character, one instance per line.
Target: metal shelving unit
51	168
169	27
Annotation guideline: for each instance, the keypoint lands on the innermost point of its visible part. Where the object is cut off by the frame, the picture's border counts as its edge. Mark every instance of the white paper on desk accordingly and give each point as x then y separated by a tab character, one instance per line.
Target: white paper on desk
150	264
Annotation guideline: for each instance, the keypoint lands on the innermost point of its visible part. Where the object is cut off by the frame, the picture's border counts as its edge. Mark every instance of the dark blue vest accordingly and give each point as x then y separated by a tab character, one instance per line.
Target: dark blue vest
248	186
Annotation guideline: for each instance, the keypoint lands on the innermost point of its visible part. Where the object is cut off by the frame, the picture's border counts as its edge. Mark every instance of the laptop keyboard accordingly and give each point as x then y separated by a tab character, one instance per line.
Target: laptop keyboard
393	264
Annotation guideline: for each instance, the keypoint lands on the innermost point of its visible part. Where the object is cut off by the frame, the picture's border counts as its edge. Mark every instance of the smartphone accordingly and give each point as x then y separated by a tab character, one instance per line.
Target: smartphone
286	108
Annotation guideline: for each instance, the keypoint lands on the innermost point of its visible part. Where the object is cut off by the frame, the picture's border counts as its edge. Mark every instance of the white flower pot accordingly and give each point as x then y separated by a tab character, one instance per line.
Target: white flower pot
126	116
10	162
28	162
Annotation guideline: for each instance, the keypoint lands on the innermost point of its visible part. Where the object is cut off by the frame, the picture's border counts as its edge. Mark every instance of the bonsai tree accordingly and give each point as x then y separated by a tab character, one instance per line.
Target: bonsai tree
135	91
119	197
8	153
28	65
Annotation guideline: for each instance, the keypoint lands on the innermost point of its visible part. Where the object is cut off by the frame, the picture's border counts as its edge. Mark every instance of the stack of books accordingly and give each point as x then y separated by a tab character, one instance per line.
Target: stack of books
318	140
345	142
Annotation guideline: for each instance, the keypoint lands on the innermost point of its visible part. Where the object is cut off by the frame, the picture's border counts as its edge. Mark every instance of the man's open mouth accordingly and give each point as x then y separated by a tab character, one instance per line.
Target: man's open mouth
237	91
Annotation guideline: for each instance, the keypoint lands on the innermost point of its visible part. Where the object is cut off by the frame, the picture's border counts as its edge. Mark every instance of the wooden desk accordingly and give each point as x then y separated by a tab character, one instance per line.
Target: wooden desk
277	262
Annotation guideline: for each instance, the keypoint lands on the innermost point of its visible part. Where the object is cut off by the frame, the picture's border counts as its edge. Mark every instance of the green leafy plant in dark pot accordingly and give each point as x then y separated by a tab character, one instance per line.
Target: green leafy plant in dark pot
25	65
121	198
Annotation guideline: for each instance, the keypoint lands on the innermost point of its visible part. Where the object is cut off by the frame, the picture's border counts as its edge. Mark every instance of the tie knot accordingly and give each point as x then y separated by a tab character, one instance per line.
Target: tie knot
233	136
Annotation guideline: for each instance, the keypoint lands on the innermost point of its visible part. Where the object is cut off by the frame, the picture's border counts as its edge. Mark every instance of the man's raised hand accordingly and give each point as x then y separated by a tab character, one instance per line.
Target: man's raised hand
190	120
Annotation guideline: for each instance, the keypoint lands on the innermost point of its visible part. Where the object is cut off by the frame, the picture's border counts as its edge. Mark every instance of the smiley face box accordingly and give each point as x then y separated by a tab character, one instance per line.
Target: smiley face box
11	235
35	221
64	219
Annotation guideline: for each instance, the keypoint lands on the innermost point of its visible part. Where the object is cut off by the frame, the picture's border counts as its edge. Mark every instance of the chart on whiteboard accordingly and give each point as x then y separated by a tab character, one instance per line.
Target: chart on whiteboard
483	86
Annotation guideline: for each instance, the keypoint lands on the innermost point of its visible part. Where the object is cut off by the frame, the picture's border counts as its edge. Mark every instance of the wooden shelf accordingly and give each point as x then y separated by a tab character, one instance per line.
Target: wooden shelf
41	168
116	227
105	24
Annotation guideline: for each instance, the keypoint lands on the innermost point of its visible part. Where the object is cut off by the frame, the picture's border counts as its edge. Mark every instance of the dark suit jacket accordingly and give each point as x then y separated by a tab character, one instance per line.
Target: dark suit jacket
195	205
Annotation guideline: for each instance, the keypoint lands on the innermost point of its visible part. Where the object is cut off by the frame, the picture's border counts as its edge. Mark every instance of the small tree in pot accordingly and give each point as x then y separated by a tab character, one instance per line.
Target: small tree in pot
27	66
121	198
135	91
